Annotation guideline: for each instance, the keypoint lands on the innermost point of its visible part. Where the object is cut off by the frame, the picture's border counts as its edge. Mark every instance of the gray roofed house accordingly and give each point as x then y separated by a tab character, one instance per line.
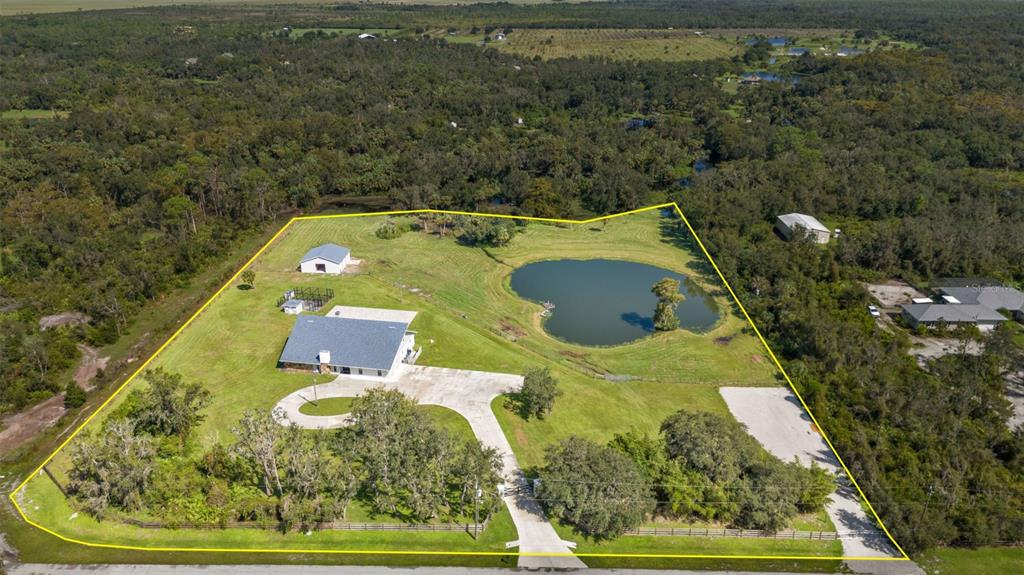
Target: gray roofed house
992	297
346	345
933	314
788	224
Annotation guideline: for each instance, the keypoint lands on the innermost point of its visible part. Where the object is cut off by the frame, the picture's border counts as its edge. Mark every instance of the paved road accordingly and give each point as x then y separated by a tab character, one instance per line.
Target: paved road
774	416
43	569
470	394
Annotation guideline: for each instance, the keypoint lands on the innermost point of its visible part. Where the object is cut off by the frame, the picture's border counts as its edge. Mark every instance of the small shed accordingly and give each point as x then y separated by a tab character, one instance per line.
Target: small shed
293	306
797	225
325	259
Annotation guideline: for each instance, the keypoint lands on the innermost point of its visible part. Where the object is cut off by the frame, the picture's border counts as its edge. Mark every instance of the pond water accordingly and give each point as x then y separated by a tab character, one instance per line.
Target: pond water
607	302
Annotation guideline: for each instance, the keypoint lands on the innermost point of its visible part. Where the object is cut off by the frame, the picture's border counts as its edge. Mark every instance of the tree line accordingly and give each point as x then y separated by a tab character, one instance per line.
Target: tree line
146	459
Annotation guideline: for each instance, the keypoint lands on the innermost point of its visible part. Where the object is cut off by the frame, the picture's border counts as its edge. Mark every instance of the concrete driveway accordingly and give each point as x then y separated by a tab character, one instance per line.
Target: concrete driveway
469	393
774	416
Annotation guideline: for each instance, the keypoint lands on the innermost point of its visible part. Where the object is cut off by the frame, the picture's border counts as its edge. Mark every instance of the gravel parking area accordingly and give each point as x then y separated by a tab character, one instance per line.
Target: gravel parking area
774	416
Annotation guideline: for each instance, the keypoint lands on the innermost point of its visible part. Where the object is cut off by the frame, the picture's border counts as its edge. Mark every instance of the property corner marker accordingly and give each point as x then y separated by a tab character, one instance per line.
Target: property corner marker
13	496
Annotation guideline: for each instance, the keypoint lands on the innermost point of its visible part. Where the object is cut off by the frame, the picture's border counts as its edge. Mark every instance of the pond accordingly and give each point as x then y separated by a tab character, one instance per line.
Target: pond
607	302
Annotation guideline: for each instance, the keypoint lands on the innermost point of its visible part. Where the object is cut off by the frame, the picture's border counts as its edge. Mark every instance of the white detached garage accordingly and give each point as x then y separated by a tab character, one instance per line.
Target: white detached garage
325	259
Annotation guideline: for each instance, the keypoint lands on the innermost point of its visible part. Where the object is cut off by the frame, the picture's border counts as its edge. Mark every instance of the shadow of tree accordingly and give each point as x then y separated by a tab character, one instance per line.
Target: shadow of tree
637	320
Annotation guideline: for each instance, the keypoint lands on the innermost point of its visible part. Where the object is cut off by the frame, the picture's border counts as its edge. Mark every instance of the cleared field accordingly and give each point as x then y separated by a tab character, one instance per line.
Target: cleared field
468	318
665	45
617	44
32	114
8	7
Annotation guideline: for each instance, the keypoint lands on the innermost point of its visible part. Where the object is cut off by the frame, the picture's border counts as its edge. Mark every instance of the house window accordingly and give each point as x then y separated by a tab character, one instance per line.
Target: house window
360	371
321	267
380	373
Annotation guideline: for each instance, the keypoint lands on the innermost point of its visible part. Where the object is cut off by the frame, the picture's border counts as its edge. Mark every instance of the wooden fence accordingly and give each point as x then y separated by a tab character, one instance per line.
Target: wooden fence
328	526
724	532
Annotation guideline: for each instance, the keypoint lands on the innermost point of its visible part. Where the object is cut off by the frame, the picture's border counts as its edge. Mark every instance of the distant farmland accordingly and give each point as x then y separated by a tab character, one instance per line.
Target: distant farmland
667	45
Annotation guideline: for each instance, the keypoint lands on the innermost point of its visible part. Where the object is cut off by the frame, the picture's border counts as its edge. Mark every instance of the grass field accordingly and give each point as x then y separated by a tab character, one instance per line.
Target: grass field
468	318
617	44
442	417
8	7
982	561
32	114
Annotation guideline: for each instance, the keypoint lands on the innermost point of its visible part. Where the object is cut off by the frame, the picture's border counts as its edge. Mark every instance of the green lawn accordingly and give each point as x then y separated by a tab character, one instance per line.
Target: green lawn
466	315
700	545
329	406
442	417
950	561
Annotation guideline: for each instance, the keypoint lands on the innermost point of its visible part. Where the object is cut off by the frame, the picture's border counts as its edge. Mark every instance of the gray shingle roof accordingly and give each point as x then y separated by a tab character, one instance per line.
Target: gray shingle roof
952	313
992	297
352	342
793	221
330	252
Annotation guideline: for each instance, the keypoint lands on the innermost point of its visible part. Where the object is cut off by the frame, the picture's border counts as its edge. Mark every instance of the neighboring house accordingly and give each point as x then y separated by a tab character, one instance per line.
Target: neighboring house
950	314
325	259
367	37
778	42
349	345
797	51
992	297
499	36
846	51
796	225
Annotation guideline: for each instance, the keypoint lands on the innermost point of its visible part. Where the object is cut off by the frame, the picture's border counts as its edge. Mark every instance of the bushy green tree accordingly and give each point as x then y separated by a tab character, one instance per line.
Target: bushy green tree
74	395
598	490
667	292
538	394
169	406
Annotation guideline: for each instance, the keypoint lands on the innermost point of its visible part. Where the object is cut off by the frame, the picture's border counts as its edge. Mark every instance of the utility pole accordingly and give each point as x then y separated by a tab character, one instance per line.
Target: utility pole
476	509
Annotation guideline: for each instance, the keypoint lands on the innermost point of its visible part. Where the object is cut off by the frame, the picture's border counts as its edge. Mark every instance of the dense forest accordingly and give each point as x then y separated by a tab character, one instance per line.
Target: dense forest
188	127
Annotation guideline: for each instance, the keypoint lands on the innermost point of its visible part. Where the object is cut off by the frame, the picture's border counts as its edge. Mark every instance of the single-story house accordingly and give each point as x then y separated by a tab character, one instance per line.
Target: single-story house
348	345
796	51
790	225
992	297
365	36
325	259
935	314
847	51
293	306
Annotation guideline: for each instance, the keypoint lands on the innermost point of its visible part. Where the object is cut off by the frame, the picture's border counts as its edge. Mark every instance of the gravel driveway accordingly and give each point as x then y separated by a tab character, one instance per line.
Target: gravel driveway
469	393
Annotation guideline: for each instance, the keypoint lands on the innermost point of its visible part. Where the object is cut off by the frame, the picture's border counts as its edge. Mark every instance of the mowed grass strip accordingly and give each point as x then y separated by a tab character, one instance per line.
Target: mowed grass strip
617	44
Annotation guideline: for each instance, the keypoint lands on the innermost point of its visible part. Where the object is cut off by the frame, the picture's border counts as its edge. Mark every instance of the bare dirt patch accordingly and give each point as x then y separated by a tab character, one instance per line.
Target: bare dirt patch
23	426
724	341
62	319
89	366
892	293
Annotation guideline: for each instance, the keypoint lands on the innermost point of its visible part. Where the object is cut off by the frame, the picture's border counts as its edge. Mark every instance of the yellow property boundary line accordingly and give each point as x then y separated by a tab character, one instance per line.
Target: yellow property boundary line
674	206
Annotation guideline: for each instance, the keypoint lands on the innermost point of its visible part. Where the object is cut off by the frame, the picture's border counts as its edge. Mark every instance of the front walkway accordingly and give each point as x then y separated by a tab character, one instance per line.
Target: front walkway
469	393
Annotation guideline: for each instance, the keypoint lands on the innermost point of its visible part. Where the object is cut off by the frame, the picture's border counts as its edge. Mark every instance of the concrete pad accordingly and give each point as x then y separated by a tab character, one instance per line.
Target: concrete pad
372	313
774	416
